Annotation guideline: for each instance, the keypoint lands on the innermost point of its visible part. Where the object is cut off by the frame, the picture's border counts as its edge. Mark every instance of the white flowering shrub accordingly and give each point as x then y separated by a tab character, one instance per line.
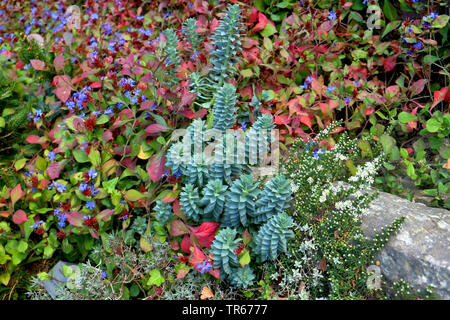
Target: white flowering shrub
329	254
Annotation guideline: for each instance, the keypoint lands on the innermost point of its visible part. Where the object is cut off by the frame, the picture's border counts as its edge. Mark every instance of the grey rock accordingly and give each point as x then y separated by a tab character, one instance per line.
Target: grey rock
59	279
419	253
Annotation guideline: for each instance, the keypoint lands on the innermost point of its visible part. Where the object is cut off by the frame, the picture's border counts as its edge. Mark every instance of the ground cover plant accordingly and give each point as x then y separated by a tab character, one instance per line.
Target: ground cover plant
92	92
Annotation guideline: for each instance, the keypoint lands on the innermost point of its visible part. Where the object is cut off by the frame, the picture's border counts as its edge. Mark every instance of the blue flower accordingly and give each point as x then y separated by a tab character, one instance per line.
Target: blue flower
104	275
243	125
330	88
417	45
60	187
51	156
83	186
331	15
177	174
204	267
317	152
92	173
347	100
90	204
34	226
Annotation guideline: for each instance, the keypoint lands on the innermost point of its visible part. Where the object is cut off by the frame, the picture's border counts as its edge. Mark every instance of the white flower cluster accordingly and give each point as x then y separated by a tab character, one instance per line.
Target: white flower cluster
366	173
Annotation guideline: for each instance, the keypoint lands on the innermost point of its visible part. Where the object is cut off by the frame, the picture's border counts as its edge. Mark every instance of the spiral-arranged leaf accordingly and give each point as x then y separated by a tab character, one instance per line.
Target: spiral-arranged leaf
214	199
224	108
189	201
227	44
163	211
175	159
192	36
223	250
240	203
172	54
273	236
242	277
273	199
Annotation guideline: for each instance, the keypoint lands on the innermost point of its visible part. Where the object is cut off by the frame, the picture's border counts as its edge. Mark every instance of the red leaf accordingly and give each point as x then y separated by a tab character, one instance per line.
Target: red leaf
105	214
176	207
16	194
54	169
178	228
75	218
262	21
107	135
440	95
43	184
38	64
205	233
197	256
253	15
93	233
58	63
6	53
246	237
62	94
19	217
294	106
306	120
186	243
95	85
282	120
188	113
417	87
182	272
19	65
215	273
369	111
389	62
174	245
63	88
36	140
155	128
155	167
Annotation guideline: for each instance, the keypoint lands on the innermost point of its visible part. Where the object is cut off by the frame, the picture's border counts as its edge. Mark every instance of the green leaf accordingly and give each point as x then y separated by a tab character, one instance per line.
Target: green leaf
387	142
68	271
444	151
268	44
41	163
146	246
410	171
268	30
43	276
155	278
80	156
110	185
430	59
19	164
4	278
406	117
404	153
244	258
390	26
430	192
103	119
433	125
133	195
389	10
246	73
95	158
441	21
